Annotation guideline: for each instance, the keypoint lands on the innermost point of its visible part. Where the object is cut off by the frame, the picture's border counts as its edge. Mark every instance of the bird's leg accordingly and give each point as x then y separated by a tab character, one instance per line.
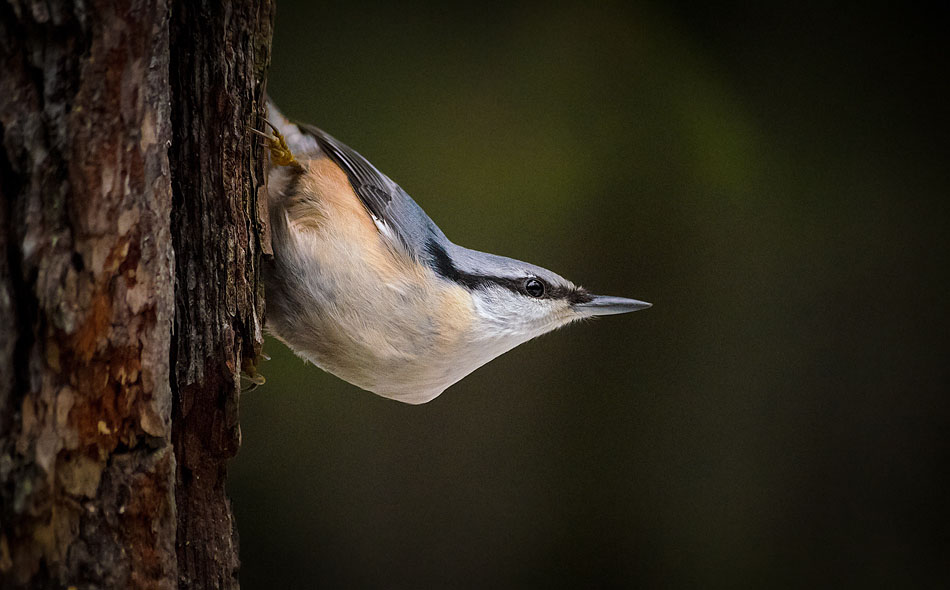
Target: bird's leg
280	153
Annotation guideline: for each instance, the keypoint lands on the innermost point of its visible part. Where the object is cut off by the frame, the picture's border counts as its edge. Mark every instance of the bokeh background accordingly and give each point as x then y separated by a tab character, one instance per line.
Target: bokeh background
773	178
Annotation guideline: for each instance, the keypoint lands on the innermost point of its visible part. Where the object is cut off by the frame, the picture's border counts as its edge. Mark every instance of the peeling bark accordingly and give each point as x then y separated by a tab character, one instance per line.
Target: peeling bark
98	487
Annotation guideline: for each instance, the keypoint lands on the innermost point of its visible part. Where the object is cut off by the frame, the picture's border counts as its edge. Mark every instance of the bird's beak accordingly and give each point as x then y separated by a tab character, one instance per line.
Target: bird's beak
606	305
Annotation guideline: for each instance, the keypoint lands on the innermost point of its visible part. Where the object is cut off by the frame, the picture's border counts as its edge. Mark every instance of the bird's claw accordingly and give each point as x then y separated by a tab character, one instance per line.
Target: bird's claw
250	383
250	378
280	153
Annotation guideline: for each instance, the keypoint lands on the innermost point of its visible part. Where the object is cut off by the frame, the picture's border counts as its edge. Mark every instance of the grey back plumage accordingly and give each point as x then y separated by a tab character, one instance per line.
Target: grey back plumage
385	200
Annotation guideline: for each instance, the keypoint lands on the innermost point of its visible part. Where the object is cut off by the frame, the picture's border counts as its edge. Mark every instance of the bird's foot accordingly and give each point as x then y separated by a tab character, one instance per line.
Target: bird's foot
251	379
280	153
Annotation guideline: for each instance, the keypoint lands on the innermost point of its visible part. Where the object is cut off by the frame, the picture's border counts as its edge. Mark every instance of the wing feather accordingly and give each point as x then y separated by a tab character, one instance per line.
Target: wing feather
385	200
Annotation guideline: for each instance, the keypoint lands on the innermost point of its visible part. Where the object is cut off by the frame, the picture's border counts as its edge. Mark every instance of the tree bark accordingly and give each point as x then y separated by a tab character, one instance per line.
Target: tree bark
220	52
129	286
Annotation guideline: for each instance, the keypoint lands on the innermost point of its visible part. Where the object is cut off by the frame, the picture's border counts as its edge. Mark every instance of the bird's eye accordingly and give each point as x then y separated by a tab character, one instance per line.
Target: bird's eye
534	287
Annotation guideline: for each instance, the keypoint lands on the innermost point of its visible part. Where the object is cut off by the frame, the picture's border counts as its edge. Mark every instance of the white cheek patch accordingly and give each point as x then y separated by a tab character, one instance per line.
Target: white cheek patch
509	316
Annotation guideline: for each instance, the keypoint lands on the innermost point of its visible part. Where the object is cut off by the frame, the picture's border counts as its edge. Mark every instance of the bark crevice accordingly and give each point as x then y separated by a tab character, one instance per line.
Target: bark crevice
18	300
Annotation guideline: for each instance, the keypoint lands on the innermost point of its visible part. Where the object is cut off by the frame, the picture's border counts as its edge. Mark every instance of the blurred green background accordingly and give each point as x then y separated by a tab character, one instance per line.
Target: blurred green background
774	180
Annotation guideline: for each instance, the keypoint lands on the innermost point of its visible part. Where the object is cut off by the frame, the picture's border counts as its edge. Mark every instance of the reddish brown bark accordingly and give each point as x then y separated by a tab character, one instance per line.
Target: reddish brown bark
98	199
87	464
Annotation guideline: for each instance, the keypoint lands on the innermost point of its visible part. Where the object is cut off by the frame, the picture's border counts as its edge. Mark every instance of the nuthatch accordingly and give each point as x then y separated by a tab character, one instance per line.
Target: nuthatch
367	287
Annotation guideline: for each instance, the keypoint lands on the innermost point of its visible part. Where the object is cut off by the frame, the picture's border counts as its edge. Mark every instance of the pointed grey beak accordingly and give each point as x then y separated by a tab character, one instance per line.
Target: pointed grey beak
606	305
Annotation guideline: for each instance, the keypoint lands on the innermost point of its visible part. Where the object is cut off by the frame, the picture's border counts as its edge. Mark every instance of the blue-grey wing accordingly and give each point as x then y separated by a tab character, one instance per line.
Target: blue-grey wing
396	215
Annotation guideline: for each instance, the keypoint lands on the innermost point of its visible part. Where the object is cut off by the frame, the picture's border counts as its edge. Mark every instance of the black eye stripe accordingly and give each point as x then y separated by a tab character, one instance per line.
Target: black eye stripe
442	264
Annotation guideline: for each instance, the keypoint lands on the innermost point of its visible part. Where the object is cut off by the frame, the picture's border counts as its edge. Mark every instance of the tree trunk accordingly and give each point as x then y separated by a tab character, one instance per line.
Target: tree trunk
129	286
220	51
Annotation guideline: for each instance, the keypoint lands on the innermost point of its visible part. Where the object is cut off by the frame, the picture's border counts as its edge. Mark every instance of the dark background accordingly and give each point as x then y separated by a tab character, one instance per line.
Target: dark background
775	181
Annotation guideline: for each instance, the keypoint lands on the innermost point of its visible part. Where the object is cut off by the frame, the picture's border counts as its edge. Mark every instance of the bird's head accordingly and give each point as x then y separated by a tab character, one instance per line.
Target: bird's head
516	301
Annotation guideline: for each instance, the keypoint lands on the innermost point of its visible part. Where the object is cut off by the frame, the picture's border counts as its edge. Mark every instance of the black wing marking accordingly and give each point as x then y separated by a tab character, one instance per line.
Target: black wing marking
384	199
372	186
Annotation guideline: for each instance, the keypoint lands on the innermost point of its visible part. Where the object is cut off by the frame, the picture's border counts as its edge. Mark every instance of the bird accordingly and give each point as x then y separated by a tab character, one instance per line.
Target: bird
363	284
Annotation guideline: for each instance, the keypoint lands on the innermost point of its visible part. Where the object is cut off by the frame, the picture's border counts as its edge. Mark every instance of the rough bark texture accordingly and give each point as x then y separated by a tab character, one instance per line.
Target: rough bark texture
86	466
98	487
220	51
